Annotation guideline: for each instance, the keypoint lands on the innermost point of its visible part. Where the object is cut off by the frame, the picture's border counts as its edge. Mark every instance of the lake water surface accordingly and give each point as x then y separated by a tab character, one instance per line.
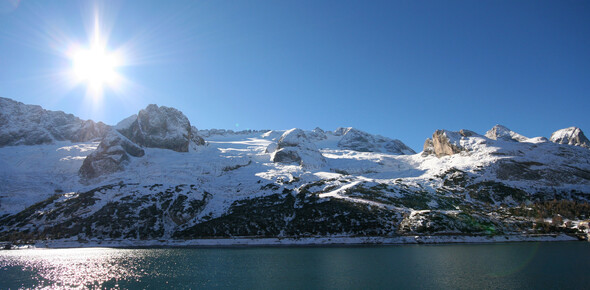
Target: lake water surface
480	266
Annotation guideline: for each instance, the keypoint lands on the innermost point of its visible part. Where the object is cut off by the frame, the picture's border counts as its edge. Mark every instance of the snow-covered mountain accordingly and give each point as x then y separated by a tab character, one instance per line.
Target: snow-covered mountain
22	124
571	136
153	127
155	176
160	127
503	133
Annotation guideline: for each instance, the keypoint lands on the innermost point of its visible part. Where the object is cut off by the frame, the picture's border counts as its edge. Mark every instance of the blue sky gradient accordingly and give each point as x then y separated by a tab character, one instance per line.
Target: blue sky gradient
401	69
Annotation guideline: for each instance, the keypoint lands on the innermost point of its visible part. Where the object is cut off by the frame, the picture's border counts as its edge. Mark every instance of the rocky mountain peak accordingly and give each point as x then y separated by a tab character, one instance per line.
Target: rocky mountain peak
357	140
317	134
160	127
153	127
110	156
500	132
340	131
571	136
294	146
22	124
293	137
445	142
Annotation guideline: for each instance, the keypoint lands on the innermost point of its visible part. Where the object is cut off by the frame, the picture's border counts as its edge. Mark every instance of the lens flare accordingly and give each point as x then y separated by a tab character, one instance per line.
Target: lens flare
95	65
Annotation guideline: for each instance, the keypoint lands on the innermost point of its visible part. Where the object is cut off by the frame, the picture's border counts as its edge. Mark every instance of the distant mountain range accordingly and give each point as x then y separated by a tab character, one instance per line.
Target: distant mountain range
155	176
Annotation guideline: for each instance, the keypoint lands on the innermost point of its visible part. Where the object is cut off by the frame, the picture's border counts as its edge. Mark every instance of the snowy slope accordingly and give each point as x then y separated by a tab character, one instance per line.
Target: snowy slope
29	174
234	185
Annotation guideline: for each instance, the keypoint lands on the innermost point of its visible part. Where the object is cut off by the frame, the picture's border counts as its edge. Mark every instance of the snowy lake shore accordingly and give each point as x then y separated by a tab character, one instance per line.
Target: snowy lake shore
307	241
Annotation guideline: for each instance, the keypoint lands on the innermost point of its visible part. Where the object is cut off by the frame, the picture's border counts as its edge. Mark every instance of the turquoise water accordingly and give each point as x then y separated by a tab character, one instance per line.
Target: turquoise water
482	266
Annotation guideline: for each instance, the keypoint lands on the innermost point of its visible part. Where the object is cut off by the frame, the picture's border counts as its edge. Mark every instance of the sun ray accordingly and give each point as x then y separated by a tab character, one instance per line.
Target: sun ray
95	65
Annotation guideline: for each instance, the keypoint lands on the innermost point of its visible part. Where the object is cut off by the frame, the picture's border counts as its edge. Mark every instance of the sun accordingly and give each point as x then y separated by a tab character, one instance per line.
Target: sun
95	66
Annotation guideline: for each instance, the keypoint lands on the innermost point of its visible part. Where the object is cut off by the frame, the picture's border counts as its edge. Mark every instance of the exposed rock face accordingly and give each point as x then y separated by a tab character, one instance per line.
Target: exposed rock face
89	130
160	127
357	140
317	134
428	148
195	138
500	132
22	124
292	138
153	127
341	131
295	147
110	156
571	136
287	155
445	143
467	133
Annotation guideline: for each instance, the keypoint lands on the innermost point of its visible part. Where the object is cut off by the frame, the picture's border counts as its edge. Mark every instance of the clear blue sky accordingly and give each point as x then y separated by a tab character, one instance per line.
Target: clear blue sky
401	69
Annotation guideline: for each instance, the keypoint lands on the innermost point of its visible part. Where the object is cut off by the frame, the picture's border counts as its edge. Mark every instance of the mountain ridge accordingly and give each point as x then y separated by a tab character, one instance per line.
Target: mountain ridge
185	183
22	124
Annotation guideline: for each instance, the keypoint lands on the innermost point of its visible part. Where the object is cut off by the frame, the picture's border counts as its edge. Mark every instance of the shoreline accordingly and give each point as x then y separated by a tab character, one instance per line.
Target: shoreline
308	241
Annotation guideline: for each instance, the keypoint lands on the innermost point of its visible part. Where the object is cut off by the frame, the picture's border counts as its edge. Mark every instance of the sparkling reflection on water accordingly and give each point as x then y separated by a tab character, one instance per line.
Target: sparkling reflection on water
490	266
69	268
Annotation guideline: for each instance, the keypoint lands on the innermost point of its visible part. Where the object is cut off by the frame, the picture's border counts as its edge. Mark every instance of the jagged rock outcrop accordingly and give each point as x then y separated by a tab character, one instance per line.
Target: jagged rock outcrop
153	127
286	155
22	124
357	140
295	147
428	148
160	127
317	134
445	142
571	136
110	156
500	132
292	138
340	131
195	138
89	130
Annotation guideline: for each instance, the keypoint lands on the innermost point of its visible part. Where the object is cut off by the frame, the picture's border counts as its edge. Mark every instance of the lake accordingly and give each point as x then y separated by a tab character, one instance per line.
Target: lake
504	266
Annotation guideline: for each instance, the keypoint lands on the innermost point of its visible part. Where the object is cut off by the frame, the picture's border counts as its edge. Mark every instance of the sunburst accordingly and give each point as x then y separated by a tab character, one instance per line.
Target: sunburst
95	65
